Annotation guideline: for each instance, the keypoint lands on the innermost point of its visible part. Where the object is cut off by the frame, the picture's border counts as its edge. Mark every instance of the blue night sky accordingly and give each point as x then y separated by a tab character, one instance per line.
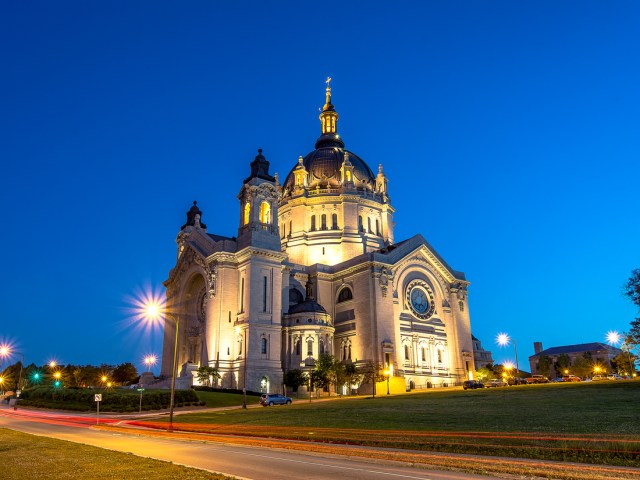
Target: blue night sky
508	130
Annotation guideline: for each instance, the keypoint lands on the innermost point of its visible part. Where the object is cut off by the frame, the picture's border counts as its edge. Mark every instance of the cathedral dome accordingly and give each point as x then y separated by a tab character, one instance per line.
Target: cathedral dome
323	166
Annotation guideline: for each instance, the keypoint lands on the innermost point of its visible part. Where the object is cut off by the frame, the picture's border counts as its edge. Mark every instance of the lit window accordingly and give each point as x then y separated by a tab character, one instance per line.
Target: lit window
347	175
247	210
265	212
310	348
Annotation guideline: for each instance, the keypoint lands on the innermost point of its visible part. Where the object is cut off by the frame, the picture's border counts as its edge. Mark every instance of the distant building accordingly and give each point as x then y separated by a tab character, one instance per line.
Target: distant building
481	357
601	354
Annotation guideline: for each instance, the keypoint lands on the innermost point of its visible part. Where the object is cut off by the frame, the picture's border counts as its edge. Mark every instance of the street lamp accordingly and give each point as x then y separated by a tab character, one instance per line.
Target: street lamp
5	351
504	340
614	338
150	360
152	310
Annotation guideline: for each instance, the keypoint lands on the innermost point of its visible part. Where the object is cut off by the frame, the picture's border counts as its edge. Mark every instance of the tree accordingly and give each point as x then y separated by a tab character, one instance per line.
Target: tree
544	365
322	375
295	378
632	287
485	373
125	373
624	363
352	376
371	373
207	375
582	365
562	363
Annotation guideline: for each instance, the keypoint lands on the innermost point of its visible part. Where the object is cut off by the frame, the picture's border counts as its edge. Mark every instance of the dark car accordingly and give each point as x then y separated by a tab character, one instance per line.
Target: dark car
517	381
472	384
271	399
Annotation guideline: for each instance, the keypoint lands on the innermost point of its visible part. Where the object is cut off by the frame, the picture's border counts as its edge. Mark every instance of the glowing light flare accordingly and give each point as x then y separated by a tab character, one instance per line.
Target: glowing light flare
148	305
150	360
104	378
52	364
503	339
613	337
5	350
57	375
508	366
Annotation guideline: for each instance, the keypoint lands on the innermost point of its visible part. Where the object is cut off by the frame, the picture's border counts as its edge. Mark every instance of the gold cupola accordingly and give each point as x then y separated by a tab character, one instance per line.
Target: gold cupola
329	116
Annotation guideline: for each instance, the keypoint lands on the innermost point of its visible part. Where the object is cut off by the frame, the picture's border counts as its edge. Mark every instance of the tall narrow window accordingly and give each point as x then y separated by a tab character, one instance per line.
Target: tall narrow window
247	211
264	294
349	354
313	223
284	230
347	175
377	227
369	225
344	352
334	221
406	352
290	228
298	347
439	356
310	348
265	212
360	225
321	347
263	346
242	295
323	222
424	355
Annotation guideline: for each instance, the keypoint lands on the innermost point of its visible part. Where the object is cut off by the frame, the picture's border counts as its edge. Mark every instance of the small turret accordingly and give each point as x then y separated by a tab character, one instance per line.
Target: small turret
194	217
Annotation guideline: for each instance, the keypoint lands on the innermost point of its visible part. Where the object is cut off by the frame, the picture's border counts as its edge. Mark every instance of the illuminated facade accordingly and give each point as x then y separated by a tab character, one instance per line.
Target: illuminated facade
315	269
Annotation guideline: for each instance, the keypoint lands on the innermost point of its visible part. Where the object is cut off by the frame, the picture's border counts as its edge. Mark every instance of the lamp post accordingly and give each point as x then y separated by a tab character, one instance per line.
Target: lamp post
503	339
5	351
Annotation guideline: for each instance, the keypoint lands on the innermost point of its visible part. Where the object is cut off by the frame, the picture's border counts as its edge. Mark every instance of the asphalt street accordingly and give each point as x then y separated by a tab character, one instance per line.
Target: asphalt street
239	461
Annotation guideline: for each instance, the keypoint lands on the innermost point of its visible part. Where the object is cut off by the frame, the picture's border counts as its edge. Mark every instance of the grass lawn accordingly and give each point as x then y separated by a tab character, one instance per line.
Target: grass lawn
220	399
588	422
29	456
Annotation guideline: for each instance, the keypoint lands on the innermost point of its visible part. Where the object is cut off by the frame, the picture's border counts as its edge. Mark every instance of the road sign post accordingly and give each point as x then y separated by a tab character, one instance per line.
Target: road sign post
98	399
141	390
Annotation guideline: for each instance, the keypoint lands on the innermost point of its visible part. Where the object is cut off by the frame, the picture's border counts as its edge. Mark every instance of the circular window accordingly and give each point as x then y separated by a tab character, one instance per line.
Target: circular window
420	299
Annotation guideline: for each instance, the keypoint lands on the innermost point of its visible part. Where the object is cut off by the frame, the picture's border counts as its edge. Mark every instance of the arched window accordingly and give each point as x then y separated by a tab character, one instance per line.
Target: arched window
360	225
323	222
377	227
344	352
321	347
369	225
334	221
265	212
283	229
290	228
347	175
247	211
424	354
439	356
344	295
313	223
263	346
349	354
310	348
406	352
298	347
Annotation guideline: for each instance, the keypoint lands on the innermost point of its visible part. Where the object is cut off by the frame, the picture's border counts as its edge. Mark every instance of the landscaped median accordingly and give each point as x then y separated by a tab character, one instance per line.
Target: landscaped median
592	423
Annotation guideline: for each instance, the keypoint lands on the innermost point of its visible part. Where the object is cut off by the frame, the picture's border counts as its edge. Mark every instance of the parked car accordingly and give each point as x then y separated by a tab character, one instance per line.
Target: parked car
496	383
571	378
614	377
517	381
537	379
271	399
597	378
472	384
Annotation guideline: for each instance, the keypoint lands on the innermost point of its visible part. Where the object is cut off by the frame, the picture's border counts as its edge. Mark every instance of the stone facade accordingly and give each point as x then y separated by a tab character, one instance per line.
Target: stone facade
315	269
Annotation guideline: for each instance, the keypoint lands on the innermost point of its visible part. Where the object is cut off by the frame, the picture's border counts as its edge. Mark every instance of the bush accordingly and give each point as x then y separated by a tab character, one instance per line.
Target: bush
112	400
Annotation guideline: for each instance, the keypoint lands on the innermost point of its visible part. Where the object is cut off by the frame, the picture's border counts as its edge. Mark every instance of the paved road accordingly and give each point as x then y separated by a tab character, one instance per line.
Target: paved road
239	461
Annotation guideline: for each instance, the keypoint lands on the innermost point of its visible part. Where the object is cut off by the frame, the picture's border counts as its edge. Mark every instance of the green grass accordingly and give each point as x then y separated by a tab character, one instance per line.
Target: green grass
29	456
221	399
544	414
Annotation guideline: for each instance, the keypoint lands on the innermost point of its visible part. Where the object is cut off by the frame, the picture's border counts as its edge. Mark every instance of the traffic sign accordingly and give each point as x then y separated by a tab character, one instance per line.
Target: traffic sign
98	397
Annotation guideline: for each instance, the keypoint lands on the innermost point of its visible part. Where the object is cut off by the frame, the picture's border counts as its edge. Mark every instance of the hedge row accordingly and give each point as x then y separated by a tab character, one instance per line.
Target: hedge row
202	388
112	400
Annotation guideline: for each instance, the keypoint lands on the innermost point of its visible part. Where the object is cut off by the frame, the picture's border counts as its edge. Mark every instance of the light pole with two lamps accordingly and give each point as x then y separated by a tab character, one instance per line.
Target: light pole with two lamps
503	339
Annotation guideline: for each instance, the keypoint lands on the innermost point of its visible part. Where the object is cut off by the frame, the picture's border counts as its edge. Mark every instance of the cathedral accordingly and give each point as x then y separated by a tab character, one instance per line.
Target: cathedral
313	269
